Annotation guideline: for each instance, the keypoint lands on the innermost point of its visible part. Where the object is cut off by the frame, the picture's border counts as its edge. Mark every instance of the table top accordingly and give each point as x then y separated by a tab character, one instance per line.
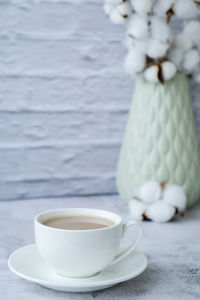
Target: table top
173	250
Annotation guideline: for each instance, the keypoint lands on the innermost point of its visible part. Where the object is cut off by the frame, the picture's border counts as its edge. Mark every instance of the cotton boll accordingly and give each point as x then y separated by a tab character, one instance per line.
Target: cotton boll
116	17
192	32
151	74
157	49
160	30
175	196
137	209
191	60
176	56
117	11
185	9
162	6
150	191
181	41
160	73
142	7
141	45
110	6
138	27
160	211
135	62
124	8
168	70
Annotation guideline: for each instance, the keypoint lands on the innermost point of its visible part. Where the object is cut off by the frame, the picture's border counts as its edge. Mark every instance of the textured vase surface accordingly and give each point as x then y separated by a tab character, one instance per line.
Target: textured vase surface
160	141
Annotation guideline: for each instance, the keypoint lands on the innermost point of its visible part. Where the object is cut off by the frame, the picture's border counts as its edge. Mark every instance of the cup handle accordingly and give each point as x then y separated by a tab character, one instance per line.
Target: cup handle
132	247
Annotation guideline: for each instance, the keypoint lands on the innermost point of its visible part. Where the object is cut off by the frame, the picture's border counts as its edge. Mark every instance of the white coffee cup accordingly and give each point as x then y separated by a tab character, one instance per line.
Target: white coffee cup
82	253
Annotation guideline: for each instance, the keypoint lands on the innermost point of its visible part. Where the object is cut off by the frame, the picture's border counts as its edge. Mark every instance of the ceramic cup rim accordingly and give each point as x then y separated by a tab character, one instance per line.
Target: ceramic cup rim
74	211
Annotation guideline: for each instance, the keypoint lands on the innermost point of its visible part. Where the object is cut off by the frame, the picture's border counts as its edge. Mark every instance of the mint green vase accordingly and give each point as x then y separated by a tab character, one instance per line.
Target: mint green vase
160	141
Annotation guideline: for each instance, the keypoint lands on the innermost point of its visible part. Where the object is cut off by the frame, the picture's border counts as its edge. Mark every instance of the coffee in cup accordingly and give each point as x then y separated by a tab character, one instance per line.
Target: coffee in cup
78	222
79	242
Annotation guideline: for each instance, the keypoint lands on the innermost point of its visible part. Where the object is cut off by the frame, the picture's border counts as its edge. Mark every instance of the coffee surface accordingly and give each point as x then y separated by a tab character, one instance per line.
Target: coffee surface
77	222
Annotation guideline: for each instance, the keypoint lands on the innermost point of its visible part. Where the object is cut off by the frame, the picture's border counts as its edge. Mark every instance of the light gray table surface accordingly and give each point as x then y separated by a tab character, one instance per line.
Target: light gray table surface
173	251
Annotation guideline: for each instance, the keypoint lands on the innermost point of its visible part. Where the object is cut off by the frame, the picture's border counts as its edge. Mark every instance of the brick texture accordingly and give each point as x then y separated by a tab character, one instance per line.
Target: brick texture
64	98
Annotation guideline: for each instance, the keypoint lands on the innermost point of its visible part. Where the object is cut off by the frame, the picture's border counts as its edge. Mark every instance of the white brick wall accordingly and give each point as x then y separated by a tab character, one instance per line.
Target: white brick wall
64	98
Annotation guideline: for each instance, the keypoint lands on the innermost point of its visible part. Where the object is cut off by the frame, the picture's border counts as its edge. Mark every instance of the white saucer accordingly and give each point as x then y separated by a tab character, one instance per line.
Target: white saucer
27	263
